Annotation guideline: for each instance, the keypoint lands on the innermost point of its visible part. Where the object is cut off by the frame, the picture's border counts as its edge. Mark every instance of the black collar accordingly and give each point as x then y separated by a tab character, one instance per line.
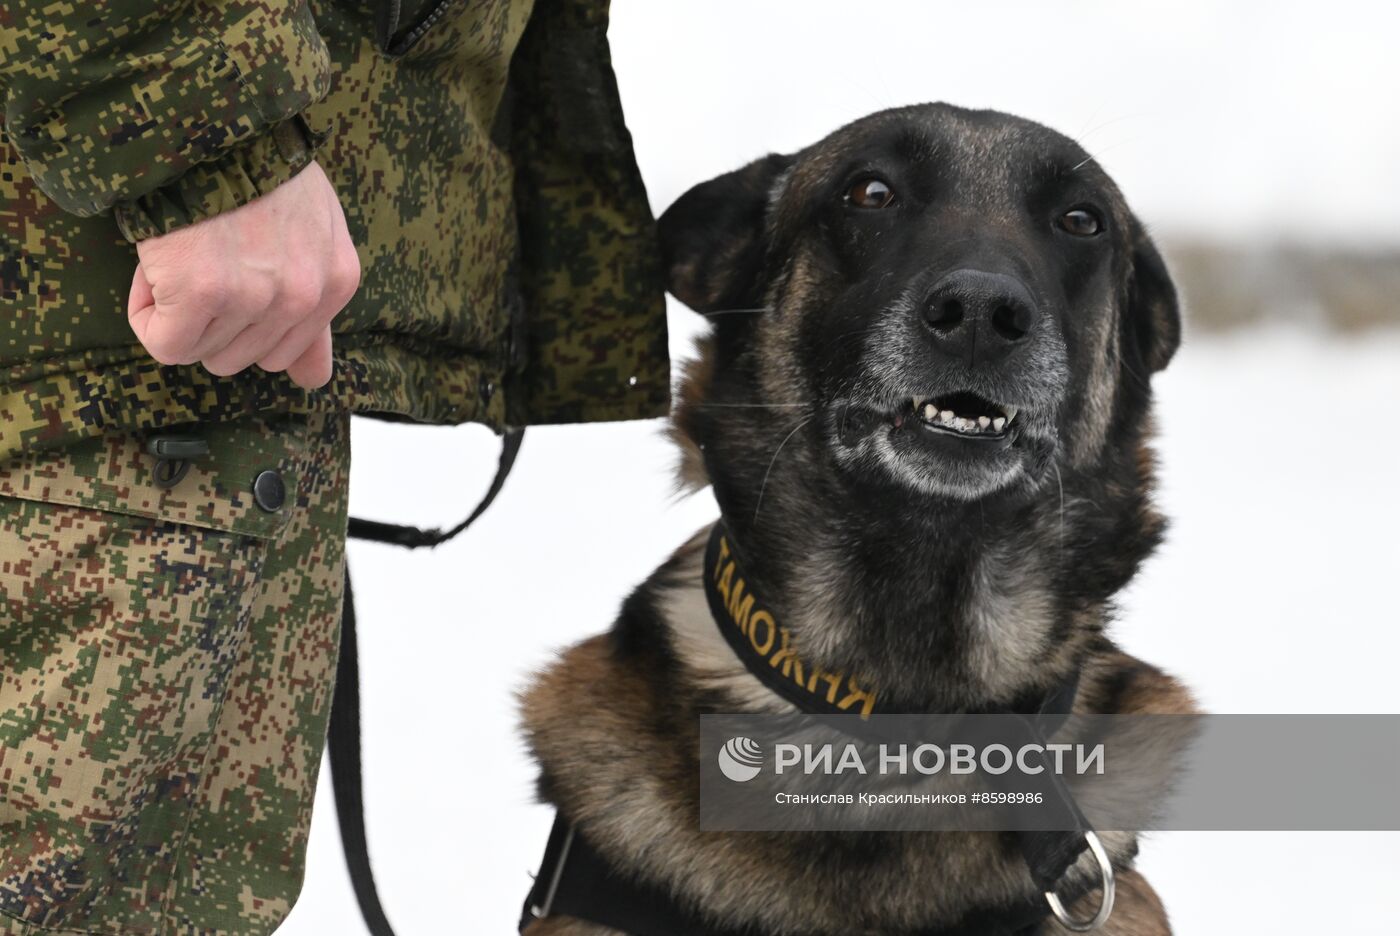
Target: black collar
766	648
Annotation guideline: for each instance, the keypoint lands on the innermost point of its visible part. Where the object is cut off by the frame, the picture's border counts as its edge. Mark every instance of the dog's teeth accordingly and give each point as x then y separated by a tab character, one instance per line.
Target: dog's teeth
998	423
1010	412
946	416
983	421
918	401
930	411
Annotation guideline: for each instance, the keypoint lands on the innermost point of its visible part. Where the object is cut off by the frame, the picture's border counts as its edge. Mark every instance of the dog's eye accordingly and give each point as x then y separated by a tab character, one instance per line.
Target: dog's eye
870	193
1081	222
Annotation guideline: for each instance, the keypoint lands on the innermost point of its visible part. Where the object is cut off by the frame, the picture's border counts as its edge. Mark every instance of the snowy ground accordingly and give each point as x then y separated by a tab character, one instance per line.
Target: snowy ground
1275	592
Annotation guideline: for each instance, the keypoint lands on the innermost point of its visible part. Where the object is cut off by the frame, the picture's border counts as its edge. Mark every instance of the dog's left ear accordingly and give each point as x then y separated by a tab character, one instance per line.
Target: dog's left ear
714	239
1154	314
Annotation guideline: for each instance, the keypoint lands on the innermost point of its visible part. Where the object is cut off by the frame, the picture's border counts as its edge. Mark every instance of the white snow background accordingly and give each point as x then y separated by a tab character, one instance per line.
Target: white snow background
1274	593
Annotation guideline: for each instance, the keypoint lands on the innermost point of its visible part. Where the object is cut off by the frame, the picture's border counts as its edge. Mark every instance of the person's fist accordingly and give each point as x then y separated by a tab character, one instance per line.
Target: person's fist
256	285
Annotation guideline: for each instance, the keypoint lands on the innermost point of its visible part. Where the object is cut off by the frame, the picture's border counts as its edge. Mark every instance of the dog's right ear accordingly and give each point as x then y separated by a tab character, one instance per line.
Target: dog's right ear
714	238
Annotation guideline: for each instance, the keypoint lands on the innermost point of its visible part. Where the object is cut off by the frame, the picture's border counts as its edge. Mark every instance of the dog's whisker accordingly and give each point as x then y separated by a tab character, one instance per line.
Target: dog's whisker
764	486
1089	120
737	312
1122	362
1094	156
1061	483
753	406
1105	125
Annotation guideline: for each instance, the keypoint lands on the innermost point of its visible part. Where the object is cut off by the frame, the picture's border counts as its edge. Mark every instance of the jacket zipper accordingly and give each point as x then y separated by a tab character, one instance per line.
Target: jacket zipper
418	32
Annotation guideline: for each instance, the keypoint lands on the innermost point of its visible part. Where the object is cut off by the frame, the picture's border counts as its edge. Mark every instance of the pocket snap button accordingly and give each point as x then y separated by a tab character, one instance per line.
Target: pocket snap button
269	491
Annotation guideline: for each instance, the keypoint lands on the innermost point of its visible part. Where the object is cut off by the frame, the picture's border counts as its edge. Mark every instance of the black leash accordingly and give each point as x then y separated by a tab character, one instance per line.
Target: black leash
343	736
411	537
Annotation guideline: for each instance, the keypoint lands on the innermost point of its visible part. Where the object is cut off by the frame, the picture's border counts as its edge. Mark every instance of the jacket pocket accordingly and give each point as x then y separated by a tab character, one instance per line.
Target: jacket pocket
239	477
124	606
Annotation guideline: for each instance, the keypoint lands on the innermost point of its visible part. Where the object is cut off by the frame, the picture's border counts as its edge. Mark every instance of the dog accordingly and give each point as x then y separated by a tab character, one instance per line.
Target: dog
925	411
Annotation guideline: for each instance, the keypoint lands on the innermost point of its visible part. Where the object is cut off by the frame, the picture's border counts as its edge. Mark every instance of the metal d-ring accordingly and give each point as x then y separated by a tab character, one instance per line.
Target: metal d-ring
1105	905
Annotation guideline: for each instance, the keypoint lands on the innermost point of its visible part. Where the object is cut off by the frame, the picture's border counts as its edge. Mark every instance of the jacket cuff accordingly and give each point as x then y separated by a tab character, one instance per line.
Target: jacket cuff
231	181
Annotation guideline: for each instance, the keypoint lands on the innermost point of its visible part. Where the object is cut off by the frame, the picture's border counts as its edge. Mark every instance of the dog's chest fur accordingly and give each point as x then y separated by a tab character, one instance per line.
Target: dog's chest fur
614	726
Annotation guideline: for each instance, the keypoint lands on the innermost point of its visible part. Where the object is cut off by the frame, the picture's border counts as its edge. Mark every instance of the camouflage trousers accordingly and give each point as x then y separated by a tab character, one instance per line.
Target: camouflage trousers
167	658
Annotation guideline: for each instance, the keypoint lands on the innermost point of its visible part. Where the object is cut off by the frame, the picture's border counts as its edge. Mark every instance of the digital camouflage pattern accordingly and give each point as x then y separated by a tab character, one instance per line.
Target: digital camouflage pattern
510	269
111	104
167	657
592	282
166	661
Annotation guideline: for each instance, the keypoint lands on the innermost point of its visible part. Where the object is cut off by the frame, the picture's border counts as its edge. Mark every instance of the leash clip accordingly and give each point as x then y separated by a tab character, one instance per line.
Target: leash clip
1105	906
172	454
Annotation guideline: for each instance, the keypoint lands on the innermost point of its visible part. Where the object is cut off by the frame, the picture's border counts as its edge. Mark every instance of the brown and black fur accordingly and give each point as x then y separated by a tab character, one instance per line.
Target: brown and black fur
957	578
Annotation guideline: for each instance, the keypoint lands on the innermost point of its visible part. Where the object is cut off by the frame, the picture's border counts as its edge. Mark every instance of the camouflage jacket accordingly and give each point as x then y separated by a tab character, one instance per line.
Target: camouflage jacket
478	146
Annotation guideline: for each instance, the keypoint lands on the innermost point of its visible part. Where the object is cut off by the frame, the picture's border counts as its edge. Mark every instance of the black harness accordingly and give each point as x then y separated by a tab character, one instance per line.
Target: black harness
575	880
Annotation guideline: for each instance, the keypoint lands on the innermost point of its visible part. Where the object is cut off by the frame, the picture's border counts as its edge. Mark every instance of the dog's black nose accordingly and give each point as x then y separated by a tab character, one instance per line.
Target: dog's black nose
979	317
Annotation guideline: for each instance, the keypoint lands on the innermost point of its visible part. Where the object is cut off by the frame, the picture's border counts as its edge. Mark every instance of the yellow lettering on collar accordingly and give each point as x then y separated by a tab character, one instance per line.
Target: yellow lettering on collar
764	646
857	694
723	556
774	644
787	659
740	606
726	578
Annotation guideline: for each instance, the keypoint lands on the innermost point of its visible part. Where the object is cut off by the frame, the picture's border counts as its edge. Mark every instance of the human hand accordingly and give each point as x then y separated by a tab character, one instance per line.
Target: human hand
256	285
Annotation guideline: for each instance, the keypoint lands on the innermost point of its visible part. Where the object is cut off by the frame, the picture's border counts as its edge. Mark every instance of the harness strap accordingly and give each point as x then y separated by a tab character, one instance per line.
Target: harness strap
576	881
1050	853
343	736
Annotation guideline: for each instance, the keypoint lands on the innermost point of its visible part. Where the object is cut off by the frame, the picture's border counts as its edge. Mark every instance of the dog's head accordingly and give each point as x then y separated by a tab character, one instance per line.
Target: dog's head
957	299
